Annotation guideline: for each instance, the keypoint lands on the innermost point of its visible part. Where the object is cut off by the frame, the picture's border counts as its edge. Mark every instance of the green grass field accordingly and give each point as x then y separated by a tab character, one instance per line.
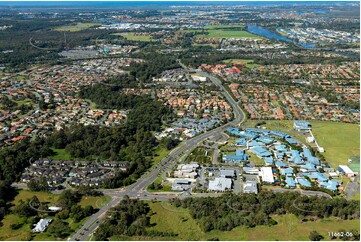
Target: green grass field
42	196
249	63
160	153
167	218
26	101
199	155
61	154
223	26
96	202
212	45
24	232
224	33
76	27
340	140
257	161
132	36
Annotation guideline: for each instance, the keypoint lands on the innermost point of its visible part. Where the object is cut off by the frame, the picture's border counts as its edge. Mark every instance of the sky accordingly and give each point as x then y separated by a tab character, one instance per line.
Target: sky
179	1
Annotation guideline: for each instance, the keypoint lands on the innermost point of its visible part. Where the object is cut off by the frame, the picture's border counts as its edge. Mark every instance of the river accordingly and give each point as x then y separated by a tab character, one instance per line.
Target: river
258	30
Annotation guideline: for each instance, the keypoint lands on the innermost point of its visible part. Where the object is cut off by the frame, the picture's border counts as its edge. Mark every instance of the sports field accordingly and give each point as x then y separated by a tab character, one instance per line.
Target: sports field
224	26
340	140
224	33
249	63
167	218
132	36
76	27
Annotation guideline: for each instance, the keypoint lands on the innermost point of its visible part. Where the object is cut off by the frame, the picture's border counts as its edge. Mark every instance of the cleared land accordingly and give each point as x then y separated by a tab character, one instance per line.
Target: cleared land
199	155
76	27
340	140
167	218
132	36
249	63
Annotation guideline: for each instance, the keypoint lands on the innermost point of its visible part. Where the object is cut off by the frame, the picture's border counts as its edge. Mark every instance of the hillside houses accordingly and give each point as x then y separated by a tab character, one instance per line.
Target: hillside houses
56	87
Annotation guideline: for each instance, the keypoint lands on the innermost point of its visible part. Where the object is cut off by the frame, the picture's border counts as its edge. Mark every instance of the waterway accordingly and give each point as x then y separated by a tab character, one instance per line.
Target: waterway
258	30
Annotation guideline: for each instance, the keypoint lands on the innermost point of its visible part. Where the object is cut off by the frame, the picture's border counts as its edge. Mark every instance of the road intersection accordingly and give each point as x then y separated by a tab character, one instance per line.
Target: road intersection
138	189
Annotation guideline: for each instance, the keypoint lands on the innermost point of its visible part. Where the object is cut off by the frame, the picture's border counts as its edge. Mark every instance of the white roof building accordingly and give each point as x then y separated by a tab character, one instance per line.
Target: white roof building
55	209
250	187
42	225
345	169
220	184
266	174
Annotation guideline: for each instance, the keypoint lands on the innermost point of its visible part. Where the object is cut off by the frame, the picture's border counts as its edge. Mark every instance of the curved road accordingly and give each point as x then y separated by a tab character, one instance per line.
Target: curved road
138	189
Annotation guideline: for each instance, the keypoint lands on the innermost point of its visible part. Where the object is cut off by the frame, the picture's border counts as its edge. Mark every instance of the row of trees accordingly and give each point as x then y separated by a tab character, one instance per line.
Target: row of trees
230	211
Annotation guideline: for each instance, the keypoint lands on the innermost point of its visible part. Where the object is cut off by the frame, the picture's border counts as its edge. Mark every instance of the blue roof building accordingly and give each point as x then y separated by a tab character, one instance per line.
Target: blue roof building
266	139
286	171
291	140
241	142
330	185
316	175
280	155
269	161
234	131
301	125
261	152
303	182
280	164
239	157
290	182
249	135
295	157
309	167
281	148
279	134
254	143
260	131
309	157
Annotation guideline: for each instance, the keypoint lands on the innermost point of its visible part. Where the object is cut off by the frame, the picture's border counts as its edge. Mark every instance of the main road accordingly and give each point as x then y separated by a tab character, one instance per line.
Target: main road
138	189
